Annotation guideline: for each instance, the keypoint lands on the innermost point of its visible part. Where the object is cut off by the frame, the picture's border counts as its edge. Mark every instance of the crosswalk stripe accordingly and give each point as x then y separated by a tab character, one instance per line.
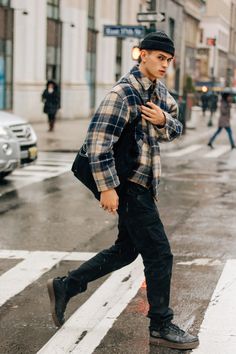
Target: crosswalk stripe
185	151
218	151
26	272
33	266
96	316
71	256
217	332
47	165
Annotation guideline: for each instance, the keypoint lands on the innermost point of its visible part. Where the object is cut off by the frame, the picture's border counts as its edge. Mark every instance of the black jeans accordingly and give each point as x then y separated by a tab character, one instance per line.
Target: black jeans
140	232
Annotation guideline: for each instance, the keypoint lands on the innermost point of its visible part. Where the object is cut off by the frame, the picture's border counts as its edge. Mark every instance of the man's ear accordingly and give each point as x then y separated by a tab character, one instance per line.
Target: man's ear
143	55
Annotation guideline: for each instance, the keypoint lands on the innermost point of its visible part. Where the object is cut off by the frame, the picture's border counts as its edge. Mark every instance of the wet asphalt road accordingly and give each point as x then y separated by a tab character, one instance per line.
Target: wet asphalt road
197	206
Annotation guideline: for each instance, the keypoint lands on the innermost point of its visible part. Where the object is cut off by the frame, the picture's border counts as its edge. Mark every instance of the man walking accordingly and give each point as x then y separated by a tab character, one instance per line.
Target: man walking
140	228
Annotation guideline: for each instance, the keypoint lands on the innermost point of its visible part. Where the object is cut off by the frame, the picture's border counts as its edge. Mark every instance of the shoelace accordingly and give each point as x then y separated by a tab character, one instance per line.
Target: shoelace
175	328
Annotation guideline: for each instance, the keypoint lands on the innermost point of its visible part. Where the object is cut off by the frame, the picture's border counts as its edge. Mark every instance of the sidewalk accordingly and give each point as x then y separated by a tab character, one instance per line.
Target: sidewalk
69	135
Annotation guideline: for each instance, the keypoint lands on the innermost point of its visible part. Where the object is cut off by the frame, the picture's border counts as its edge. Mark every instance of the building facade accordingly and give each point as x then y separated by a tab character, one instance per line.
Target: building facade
64	40
216	50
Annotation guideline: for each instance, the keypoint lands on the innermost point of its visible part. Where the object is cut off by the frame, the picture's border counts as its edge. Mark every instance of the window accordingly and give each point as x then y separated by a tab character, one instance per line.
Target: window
53	9
91	52
6	55
5	3
53	60
172	28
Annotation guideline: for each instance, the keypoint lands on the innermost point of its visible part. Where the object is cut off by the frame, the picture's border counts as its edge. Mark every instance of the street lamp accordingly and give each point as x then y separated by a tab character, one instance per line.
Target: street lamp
135	52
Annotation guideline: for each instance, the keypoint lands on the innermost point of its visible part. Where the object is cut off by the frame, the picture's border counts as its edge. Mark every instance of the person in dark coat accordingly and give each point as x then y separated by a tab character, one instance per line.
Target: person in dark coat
204	101
212	105
224	120
51	99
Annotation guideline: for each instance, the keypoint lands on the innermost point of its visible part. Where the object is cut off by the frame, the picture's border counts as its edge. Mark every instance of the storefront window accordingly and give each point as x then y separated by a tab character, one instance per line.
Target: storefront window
6	54
53	60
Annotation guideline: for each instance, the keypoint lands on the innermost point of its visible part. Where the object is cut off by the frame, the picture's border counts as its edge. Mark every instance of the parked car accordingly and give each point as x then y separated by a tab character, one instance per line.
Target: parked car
18	143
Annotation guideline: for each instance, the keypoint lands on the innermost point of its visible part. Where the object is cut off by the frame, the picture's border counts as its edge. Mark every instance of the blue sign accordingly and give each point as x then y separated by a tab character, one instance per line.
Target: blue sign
123	31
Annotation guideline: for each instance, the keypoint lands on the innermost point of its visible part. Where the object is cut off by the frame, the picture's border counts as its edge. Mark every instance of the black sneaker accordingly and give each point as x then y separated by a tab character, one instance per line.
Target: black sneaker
171	336
210	145
58	299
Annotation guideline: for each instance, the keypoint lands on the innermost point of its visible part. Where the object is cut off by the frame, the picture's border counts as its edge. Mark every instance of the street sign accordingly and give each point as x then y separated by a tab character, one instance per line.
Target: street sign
146	16
161	17
151	16
123	31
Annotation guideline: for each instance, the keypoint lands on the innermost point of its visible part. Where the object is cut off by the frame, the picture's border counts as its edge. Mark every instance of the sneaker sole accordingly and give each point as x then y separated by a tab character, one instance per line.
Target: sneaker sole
53	302
165	343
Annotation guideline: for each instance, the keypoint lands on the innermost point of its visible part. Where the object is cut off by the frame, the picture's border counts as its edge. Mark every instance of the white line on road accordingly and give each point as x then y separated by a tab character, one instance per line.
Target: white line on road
68	256
26	272
217	152
218	330
83	332
33	266
184	151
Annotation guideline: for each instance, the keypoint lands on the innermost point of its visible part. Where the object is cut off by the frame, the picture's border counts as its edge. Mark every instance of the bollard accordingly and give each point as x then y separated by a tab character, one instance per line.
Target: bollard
195	114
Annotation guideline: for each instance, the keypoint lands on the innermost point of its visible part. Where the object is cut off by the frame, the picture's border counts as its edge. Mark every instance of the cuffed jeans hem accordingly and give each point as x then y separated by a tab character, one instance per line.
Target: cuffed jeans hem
158	320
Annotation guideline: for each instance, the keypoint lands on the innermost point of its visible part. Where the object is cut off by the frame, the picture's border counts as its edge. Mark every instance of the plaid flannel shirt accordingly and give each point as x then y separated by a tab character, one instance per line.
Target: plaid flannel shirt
118	107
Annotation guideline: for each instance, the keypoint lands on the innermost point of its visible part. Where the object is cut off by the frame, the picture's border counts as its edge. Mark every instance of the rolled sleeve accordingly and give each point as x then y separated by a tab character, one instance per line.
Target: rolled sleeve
173	127
104	131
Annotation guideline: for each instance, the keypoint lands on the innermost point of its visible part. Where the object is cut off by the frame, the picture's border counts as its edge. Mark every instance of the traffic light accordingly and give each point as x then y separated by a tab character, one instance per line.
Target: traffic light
151	5
211	41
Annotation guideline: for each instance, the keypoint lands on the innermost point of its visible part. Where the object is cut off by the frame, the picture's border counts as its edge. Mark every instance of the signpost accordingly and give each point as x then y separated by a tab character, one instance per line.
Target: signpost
123	31
151	16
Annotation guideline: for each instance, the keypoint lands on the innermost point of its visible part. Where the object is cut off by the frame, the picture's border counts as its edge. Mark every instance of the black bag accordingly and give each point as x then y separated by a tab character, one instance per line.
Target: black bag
126	152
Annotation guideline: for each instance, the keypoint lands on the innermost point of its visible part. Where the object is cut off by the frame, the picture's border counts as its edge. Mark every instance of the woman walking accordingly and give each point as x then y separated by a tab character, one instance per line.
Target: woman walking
51	99
224	120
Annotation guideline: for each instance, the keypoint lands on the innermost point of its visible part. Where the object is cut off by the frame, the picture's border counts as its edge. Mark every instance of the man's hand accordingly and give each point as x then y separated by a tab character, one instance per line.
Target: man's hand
154	114
109	200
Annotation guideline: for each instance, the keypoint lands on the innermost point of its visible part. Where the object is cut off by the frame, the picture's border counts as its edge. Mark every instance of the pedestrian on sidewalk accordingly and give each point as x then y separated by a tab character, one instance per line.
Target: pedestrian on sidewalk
224	120
204	101
212	103
140	227
51	99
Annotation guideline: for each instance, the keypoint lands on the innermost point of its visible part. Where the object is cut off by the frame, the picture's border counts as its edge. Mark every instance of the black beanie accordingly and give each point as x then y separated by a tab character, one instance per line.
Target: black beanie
158	41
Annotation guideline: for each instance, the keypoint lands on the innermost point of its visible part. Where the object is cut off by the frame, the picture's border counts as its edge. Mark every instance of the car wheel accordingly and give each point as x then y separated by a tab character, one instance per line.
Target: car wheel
4	174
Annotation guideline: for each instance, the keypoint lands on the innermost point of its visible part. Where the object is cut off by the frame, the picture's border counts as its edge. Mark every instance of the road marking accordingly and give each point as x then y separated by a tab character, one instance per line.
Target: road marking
47	165
26	272
185	151
85	329
218	332
33	266
201	262
68	256
14	254
217	152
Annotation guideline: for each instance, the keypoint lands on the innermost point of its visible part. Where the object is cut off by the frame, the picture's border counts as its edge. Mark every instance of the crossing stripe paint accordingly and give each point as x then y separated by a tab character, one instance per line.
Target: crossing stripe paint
218	332
217	152
85	329
68	256
26	272
33	266
184	151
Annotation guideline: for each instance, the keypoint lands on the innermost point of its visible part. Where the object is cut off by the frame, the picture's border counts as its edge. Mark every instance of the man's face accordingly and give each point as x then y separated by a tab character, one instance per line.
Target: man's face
155	63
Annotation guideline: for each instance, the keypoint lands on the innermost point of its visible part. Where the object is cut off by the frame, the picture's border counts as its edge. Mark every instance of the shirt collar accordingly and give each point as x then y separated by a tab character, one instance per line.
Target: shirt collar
137	75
